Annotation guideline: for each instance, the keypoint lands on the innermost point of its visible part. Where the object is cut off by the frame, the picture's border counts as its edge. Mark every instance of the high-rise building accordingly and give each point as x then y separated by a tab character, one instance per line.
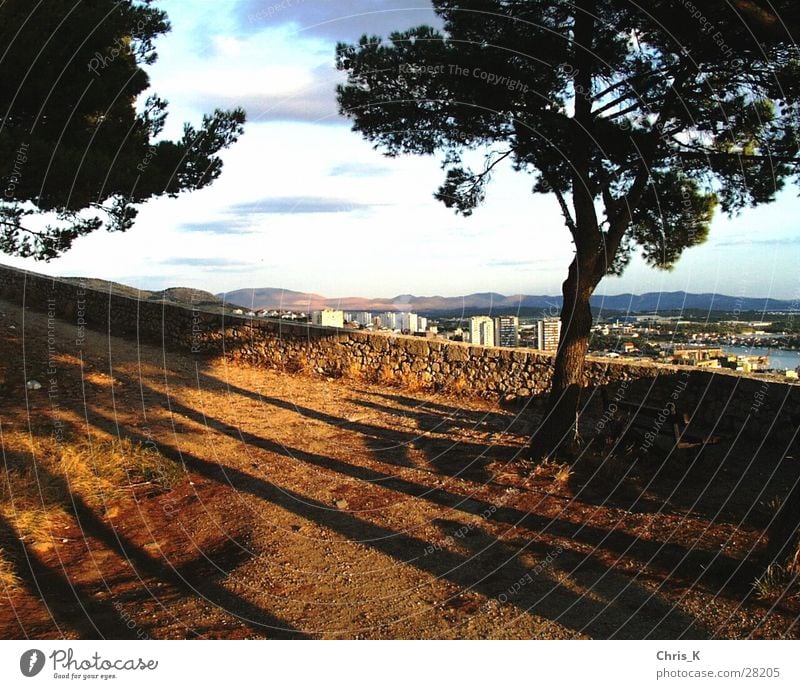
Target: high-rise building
363	318
548	334
481	331
506	331
404	321
331	318
389	320
408	322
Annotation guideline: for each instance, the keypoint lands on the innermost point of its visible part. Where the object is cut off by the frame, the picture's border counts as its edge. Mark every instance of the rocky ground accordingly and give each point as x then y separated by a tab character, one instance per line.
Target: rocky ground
310	507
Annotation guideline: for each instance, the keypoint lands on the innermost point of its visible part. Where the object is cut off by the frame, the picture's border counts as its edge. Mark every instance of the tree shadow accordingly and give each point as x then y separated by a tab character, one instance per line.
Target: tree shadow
435	417
390	446
601	601
482	572
671	558
199	577
725	480
583	613
663	555
70	606
620	595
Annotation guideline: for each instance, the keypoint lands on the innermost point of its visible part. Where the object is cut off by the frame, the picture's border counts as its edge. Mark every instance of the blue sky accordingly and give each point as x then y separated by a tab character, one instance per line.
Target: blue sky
306	204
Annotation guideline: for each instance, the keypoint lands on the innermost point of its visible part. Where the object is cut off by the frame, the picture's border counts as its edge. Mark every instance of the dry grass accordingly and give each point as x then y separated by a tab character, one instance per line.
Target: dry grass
409	381
773	583
614	468
459	384
562	474
385	375
352	369
608	468
774	505
784	539
559	472
412	381
8	577
297	363
40	478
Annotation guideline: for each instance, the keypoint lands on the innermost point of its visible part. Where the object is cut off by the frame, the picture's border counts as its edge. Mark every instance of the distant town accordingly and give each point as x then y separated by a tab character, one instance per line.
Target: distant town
741	345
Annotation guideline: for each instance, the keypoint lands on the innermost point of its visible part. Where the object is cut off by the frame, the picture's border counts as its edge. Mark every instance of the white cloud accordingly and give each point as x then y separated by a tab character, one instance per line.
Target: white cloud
226	46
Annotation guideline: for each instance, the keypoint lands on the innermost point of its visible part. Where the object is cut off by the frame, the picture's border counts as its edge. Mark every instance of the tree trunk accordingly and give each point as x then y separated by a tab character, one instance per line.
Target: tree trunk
558	425
576	314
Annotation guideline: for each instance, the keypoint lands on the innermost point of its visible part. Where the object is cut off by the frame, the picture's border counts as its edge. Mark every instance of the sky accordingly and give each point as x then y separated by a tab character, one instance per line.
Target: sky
304	203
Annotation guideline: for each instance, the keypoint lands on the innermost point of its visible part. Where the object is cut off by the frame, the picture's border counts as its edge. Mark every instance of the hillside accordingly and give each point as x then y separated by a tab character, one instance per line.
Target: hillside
186	296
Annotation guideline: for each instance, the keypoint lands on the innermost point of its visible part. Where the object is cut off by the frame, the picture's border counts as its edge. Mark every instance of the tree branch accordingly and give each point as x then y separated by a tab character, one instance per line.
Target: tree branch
619	214
646	159
616	101
20	228
629	81
479	178
703	154
608	199
491	166
568	219
624	111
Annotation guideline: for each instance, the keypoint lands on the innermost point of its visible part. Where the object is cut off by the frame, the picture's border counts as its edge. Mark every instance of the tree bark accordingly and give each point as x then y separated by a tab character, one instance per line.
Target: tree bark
558	425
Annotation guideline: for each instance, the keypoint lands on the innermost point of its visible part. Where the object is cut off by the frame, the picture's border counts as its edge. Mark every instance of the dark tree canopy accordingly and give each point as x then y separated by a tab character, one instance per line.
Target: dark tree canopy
73	144
653	112
639	118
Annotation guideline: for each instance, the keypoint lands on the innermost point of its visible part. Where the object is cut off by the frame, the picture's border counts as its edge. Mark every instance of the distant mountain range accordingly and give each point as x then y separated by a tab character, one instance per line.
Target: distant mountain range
468	305
491	302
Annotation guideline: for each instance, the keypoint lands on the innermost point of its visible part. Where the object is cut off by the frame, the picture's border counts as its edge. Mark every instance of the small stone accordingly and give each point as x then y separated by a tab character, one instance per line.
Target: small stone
341	504
33	385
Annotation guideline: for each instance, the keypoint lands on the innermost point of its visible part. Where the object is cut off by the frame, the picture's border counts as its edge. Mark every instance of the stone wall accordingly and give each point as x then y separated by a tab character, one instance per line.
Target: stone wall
725	401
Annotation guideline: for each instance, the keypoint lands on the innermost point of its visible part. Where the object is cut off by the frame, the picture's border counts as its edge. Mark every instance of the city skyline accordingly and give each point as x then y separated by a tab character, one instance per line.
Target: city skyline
332	216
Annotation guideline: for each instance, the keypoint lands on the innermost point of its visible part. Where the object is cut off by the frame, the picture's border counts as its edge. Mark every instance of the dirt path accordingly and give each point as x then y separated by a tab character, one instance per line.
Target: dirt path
331	508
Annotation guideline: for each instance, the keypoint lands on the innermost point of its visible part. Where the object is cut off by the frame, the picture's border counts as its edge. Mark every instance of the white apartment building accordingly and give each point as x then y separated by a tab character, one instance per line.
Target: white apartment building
388	320
403	321
363	318
481	331
332	318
